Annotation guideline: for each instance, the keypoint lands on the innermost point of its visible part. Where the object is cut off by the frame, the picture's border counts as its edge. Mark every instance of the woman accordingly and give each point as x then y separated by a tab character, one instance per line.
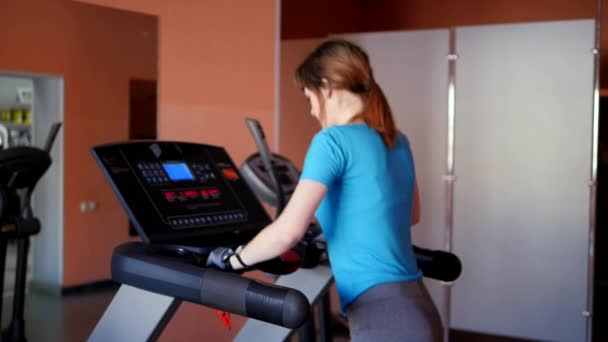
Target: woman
359	178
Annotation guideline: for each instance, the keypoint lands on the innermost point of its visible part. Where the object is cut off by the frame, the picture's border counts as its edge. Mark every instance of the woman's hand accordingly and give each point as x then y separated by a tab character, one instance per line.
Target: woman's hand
220	259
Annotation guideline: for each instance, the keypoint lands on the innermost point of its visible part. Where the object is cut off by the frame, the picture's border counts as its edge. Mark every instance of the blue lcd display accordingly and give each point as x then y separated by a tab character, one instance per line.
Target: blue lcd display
177	171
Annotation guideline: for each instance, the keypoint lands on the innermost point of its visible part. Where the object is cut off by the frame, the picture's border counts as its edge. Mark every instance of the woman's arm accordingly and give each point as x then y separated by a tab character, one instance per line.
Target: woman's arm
416	205
288	229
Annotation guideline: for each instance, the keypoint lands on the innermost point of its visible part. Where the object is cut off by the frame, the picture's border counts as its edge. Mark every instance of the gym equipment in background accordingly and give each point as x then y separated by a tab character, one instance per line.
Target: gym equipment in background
20	170
273	178
283	174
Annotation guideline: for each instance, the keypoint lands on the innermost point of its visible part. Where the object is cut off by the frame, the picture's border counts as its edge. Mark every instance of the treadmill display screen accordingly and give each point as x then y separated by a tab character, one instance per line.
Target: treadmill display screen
181	193
177	171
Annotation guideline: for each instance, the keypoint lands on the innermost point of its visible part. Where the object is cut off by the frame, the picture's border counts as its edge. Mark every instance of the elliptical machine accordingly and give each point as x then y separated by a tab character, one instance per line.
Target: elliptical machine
273	178
20	170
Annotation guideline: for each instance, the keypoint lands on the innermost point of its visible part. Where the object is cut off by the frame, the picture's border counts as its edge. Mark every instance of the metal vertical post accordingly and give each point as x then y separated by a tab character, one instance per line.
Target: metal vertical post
325	332
16	329
307	332
449	176
277	78
3	243
588	313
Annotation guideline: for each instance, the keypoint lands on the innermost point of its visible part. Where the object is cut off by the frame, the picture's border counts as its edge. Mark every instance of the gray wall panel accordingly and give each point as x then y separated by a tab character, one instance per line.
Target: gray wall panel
523	147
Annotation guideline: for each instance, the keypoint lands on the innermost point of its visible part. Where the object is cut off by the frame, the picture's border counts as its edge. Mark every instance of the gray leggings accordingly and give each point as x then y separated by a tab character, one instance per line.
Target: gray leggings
395	312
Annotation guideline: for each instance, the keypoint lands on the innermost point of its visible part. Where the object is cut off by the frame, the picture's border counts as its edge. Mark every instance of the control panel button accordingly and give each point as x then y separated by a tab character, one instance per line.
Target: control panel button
190	194
214	193
170	196
215	219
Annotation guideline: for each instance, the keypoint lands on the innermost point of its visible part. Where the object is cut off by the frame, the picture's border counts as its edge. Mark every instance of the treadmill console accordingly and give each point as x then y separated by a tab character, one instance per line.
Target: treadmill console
182	193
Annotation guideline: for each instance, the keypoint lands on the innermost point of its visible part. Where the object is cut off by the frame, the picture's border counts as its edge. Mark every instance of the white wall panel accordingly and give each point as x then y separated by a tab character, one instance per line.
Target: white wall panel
523	148
48	200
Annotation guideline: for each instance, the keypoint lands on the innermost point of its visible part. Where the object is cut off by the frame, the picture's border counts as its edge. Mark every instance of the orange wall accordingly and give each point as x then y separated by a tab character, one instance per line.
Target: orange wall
297	125
216	67
73	40
151	7
421	14
362	16
318	18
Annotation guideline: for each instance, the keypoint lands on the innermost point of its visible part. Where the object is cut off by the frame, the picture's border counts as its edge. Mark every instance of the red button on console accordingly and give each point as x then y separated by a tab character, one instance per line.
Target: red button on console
215	193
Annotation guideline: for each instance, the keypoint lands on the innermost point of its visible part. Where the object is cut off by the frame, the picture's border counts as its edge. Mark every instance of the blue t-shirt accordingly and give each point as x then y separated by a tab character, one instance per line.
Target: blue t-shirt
367	212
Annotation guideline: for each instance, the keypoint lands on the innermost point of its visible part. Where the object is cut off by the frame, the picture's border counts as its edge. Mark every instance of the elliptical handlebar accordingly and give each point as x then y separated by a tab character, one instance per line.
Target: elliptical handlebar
260	140
50	138
27	212
305	253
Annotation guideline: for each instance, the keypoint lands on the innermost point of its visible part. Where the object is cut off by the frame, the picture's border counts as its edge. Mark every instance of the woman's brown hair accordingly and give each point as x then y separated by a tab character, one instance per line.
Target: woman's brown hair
346	66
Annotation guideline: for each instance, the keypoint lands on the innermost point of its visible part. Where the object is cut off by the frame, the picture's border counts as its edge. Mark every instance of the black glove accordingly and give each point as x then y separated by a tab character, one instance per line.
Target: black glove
220	258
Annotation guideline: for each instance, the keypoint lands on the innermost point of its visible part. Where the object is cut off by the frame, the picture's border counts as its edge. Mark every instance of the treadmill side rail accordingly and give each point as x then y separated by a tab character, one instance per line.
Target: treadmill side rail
135	315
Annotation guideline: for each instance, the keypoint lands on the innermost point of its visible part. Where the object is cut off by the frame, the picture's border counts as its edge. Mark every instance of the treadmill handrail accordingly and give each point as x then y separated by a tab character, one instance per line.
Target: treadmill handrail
138	264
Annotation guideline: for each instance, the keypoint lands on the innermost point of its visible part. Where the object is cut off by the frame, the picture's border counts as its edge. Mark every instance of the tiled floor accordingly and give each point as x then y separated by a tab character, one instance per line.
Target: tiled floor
68	318
10	267
73	317
53	318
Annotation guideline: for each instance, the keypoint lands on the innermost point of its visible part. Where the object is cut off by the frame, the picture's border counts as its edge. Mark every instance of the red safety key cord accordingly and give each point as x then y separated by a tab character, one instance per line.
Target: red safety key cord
224	316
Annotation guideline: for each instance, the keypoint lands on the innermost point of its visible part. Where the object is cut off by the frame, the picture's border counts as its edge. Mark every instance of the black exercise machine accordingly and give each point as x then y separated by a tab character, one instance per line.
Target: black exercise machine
265	172
273	178
184	200
20	170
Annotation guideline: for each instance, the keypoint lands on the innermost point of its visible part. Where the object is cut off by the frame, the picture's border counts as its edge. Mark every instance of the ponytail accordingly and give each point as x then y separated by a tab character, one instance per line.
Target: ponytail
378	115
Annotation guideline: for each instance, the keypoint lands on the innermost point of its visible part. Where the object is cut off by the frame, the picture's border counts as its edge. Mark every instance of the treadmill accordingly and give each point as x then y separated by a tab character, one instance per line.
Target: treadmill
184	200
